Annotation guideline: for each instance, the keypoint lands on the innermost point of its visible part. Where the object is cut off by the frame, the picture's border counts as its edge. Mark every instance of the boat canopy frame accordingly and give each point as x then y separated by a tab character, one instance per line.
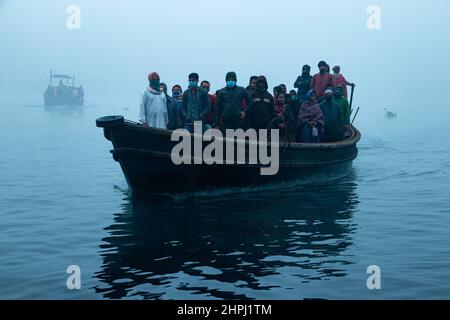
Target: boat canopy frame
62	77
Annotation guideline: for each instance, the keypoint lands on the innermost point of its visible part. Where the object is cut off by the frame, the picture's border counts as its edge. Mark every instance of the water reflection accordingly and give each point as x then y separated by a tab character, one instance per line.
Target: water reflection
228	246
65	111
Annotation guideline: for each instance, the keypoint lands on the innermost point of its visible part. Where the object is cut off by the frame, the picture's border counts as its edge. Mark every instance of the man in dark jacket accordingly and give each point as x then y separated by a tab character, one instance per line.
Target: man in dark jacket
196	103
205	85
174	109
262	110
229	103
303	84
251	86
331	116
164	89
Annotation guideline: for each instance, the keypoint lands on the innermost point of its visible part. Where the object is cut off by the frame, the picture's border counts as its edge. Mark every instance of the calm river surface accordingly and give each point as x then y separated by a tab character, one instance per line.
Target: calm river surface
64	202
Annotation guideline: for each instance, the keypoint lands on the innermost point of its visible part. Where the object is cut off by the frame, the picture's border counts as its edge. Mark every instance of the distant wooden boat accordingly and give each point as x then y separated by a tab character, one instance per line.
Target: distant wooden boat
144	155
65	94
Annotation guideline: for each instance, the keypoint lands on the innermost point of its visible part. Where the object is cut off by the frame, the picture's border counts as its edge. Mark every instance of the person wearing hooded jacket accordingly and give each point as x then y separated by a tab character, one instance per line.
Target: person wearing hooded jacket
261	110
230	111
345	111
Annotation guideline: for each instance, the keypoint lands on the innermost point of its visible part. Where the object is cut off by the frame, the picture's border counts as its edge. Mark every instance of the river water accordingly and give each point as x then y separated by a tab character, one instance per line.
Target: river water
64	202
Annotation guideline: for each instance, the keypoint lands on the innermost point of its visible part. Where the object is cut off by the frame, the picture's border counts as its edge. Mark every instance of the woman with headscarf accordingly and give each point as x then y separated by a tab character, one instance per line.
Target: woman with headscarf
311	122
154	104
285	114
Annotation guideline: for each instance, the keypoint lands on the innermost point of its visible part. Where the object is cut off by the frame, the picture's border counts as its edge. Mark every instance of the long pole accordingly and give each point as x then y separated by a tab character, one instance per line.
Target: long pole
357	110
351	97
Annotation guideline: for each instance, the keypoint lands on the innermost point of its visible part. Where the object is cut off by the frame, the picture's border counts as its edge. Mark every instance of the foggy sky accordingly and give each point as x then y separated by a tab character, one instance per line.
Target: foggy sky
120	42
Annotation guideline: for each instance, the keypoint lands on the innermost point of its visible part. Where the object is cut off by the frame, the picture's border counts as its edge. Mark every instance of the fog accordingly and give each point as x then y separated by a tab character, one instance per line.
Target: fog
401	66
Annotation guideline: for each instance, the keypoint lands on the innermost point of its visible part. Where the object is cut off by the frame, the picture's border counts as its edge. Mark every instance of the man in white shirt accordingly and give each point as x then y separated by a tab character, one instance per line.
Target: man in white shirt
153	105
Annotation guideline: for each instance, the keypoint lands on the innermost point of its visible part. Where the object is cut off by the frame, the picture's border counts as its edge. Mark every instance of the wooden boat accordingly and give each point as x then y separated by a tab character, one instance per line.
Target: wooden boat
65	94
144	155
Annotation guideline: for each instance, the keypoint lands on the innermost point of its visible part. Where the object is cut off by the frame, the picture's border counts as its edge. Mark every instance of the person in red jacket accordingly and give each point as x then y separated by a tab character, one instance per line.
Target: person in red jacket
339	80
321	81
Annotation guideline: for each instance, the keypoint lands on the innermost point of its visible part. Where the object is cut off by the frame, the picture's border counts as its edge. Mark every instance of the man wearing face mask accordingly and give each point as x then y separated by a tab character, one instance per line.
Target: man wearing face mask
230	110
153	111
261	111
303	83
174	109
321	81
196	105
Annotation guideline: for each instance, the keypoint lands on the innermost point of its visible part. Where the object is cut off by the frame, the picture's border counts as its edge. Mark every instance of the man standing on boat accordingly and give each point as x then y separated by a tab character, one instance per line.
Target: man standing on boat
339	80
321	81
261	111
343	105
229	104
196	104
331	114
303	83
154	105
205	85
174	107
251	85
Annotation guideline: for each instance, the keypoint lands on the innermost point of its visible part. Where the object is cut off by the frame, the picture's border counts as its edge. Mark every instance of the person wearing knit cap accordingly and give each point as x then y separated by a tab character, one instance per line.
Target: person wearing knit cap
153	111
331	116
230	104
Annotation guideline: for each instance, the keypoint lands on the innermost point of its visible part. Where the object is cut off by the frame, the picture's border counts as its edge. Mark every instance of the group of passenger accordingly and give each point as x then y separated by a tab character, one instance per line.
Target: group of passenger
317	111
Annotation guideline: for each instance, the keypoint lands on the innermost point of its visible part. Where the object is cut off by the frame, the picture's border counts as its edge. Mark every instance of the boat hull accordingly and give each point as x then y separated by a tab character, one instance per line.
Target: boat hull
50	100
144	156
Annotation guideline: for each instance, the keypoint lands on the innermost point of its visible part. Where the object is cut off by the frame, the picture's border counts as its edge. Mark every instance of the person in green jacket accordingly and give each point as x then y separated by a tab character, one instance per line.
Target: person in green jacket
344	108
331	113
